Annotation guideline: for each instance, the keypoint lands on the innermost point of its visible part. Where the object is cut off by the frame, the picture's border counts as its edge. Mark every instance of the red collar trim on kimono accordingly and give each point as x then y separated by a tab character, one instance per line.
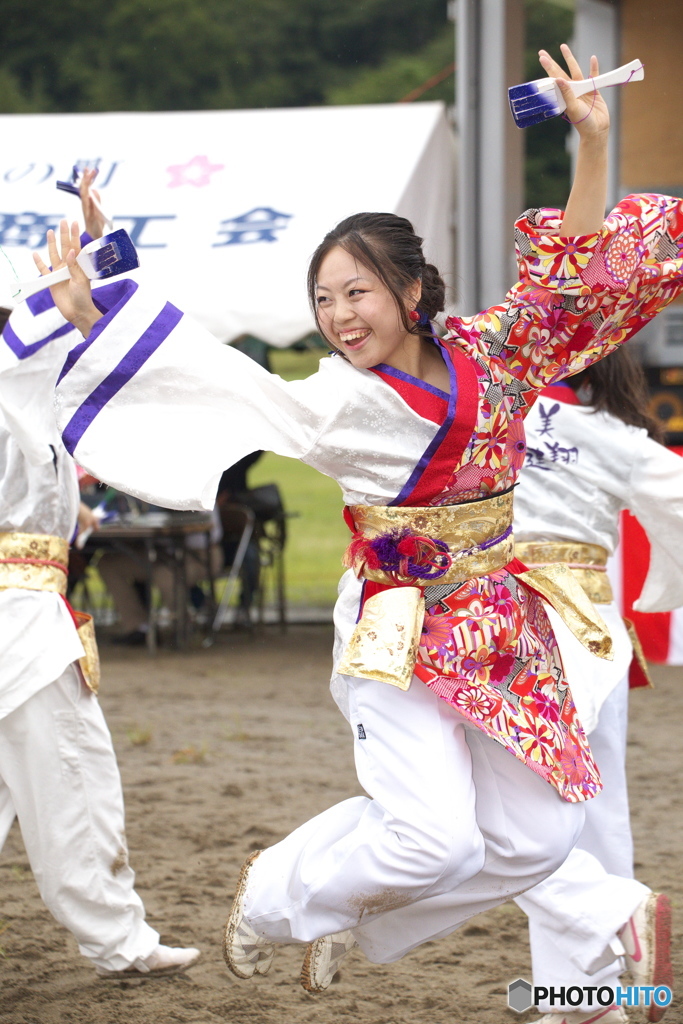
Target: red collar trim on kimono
429	402
561	393
443	453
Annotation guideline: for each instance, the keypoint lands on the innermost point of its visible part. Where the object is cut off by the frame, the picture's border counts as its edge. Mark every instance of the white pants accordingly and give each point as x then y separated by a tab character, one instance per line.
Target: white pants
575	914
453	825
58	775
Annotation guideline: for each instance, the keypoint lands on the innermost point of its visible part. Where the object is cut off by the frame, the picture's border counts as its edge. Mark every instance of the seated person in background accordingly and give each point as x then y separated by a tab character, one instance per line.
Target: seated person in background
125	577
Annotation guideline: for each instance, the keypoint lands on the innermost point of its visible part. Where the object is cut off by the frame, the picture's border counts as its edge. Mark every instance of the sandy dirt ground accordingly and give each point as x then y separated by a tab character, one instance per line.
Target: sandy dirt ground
224	751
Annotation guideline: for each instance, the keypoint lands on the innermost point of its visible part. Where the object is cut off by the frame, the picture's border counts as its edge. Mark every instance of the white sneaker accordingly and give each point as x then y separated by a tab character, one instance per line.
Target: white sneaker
245	952
603	1015
323	960
646	937
162	960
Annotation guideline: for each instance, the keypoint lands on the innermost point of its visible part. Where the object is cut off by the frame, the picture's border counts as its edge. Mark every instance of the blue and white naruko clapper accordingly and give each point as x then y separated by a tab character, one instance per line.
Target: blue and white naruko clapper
533	102
108	256
72	188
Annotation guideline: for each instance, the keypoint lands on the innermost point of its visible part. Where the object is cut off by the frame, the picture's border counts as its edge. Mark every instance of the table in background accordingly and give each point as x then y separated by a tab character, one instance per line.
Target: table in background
162	536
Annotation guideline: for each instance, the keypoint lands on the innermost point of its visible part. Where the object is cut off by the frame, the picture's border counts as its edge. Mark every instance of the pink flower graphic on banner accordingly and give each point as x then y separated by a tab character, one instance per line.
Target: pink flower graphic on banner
196	171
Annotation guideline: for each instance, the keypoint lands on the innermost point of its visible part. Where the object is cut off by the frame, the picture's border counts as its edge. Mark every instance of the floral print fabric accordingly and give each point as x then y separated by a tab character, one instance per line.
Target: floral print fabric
487	646
488	650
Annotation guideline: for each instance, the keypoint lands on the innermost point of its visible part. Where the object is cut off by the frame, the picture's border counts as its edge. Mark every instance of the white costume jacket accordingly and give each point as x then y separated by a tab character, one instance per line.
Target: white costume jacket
582	469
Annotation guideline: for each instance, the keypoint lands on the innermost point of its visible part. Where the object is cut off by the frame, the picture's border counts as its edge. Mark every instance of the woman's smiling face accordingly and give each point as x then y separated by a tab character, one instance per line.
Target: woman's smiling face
357	313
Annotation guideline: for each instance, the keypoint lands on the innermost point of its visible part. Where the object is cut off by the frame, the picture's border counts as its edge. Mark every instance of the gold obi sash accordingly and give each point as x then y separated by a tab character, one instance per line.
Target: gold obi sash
588	562
33	561
408	549
36	561
441	544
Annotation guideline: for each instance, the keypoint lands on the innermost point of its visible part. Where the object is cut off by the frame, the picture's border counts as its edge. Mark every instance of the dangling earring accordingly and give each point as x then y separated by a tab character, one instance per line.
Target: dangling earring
414	316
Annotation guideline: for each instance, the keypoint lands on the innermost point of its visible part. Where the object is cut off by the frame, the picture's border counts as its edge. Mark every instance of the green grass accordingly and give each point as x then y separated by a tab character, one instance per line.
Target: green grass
317	536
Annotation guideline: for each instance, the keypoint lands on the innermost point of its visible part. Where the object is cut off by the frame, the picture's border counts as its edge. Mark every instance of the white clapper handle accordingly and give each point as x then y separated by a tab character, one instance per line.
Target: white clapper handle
24	289
632	72
98	206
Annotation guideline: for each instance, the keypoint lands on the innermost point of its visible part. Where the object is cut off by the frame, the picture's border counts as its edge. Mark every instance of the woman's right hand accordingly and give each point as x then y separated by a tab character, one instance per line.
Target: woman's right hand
92	213
72	298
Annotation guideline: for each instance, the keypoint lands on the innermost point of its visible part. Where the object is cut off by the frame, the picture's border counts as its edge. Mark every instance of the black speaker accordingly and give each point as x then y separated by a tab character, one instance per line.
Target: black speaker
665	384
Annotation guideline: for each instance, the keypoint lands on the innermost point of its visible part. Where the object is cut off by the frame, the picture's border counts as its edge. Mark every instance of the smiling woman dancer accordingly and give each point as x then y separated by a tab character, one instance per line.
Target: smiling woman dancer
476	774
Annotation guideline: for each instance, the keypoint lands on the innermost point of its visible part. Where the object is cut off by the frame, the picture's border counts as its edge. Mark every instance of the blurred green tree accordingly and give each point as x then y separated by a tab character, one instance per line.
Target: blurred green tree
548	23
87	55
399	74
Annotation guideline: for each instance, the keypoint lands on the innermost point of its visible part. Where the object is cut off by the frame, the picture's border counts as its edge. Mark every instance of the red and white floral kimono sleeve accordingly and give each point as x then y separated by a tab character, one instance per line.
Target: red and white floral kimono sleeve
578	298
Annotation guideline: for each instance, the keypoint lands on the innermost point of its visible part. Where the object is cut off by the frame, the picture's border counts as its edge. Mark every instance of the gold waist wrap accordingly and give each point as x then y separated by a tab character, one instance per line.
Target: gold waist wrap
470	532
19	555
36	561
587	561
385	642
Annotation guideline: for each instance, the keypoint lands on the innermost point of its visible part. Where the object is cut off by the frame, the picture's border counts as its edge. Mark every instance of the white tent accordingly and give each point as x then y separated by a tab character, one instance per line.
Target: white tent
226	207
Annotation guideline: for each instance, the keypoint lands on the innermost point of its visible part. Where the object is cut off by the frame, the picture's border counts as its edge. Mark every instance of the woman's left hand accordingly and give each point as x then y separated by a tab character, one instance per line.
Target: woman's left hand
588	113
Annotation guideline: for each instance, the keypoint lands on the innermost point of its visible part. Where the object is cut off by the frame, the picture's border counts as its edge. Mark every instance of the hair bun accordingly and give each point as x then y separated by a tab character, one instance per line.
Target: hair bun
433	298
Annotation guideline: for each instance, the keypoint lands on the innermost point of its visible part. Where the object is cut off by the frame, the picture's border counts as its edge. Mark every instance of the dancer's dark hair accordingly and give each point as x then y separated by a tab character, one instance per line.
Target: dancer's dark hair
4	317
387	245
617	385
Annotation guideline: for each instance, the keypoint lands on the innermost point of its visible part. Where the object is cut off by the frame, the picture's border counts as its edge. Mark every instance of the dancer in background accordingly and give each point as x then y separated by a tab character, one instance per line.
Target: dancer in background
592	451
58	771
474	760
